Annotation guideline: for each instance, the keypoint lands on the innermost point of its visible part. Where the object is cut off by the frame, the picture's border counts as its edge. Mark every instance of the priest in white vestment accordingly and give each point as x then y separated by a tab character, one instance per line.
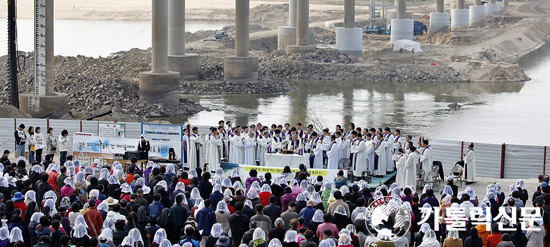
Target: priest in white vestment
400	162
185	159
214	150
277	142
426	157
359	150
410	167
469	164
263	144
237	148
250	149
370	146
389	142
316	151
196	143
332	154
380	151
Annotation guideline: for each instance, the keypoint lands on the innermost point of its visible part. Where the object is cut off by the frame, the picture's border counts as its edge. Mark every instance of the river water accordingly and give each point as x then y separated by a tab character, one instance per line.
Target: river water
93	38
515	113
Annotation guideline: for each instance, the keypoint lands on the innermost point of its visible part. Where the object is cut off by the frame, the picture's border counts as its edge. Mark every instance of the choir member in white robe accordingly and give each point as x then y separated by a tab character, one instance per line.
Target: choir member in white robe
339	146
332	154
250	150
396	141
215	145
326	140
263	144
370	145
185	159
380	151
206	148
225	147
469	164
316	151
410	167
359	150
400	162
237	148
346	143
196	143
426	157
389	141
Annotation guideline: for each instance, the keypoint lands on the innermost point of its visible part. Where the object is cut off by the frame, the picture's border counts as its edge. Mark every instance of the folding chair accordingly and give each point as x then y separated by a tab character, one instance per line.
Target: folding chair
344	163
432	179
365	175
435	168
420	178
457	173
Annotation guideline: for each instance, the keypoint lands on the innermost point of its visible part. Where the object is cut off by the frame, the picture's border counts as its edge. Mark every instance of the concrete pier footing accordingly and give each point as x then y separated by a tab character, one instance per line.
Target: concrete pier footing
349	39
159	85
493	8
44	101
52	106
401	29
439	22
187	65
287	36
302	30
478	16
241	67
460	18
178	61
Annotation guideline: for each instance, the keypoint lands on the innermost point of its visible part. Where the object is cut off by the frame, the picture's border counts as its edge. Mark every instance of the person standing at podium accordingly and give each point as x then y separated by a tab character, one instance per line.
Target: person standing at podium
144	147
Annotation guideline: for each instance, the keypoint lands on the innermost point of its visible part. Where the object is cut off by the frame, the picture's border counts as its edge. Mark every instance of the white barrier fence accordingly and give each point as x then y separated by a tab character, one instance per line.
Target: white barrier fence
492	160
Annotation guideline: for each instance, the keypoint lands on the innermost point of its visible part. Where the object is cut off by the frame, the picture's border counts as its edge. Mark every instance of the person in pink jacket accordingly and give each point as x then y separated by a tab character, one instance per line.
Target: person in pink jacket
68	189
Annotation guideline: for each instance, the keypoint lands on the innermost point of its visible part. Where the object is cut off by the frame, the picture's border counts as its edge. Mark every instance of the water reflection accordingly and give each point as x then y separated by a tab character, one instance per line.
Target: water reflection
414	107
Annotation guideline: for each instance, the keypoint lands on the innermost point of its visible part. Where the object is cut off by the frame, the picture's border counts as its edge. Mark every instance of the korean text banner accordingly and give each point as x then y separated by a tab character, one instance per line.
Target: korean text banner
109	146
162	132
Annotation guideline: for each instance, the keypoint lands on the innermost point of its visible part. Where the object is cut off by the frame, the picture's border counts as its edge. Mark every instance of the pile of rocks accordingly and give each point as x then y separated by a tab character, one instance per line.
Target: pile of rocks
330	64
266	84
95	85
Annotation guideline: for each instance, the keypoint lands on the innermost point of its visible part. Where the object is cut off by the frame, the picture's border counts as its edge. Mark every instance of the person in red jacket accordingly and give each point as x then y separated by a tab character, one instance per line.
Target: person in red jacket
18	199
52	176
93	218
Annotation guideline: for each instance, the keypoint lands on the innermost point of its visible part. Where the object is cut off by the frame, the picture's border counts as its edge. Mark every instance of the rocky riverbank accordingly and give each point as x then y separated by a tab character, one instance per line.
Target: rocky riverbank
96	85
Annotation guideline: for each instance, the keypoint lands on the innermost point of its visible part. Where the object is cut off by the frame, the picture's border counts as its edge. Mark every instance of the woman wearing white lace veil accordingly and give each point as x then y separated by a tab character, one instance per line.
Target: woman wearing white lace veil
223	215
160	235
430	239
136	235
16	235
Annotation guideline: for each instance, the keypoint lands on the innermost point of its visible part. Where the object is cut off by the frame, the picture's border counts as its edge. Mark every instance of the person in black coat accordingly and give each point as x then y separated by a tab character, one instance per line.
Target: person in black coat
166	222
278	192
205	187
119	233
273	211
144	147
238	223
42	187
150	231
474	240
341	221
279	230
56	234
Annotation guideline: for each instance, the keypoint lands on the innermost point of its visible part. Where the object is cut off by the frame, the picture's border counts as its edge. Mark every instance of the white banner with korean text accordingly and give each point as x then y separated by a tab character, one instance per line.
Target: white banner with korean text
106	147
